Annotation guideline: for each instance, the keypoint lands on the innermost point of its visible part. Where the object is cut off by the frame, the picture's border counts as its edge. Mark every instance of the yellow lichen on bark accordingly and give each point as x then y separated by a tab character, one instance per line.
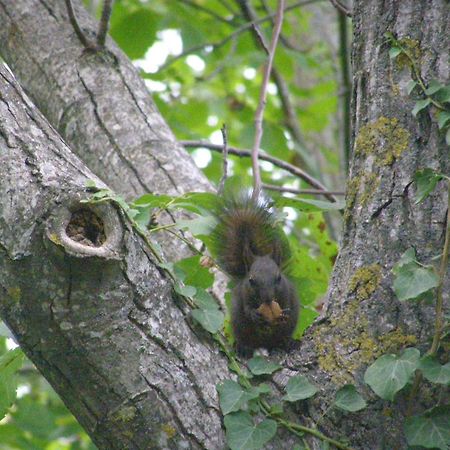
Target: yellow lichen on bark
384	138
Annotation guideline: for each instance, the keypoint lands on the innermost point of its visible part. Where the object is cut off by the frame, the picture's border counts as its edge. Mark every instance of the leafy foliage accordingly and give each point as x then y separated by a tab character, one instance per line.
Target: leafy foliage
244	434
299	388
411	279
348	399
390	373
431	429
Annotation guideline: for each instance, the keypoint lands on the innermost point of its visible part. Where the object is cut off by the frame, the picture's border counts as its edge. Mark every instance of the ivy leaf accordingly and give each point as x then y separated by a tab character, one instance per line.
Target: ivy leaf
433	87
200	225
204	300
433	371
394	52
196	274
426	180
420	105
185	291
308	205
233	397
260	366
410	86
243	434
443	95
10	362
390	373
299	388
443	119
348	399
210	319
412	280
429	430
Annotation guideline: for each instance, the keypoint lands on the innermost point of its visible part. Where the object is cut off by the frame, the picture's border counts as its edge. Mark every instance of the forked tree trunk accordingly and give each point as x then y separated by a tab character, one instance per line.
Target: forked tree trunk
101	323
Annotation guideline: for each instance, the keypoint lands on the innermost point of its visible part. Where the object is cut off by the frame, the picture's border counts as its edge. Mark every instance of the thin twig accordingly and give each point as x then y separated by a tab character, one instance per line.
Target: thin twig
345	88
273	187
265	157
342	8
292	123
104	23
206	10
240	30
225	158
442	270
262	99
78	31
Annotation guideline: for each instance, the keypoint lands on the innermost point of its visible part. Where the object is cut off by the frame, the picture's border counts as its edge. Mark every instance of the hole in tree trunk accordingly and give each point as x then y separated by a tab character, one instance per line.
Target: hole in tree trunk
86	228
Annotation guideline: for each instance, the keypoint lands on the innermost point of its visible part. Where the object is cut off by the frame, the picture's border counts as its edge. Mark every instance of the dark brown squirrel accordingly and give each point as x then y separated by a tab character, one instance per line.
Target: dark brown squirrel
252	249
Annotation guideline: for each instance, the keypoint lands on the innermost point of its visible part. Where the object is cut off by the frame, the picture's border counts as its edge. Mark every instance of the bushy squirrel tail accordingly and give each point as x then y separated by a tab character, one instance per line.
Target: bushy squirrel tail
247	228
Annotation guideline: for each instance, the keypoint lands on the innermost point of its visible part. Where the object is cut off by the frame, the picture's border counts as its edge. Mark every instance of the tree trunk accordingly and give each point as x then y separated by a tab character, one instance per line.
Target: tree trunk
99	319
364	319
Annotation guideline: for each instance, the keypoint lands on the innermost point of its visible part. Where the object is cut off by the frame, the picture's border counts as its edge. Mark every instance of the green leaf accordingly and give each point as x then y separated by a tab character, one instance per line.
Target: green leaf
410	86
443	119
210	319
390	373
243	434
185	291
420	105
308	205
429	430
196	274
135	33
10	363
433	371
394	52
426	180
412	281
204	300
443	95
260	366
233	397
433	87
348	399
200	225
299	388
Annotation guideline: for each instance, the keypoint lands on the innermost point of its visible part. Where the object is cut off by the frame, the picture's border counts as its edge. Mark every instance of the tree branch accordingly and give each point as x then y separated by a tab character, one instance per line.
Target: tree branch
265	157
342	8
262	99
104	23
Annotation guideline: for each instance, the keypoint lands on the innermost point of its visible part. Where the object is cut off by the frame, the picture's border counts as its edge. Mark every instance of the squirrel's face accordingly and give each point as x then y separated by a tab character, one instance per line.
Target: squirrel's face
264	278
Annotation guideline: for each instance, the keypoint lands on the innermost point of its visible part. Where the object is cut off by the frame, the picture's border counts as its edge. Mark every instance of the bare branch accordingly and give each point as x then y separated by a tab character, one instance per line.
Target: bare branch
262	99
342	8
265	157
104	23
225	158
273	187
240	30
78	31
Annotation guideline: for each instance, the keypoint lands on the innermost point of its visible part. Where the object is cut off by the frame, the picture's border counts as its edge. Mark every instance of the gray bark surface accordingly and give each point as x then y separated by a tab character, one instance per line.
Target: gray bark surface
101	323
363	318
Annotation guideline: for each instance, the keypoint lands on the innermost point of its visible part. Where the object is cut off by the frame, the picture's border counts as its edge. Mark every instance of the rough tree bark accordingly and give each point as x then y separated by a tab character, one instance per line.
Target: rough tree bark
101	323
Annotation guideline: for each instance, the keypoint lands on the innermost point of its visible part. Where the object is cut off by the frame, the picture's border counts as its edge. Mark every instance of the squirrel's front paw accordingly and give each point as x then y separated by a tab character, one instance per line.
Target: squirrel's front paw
257	317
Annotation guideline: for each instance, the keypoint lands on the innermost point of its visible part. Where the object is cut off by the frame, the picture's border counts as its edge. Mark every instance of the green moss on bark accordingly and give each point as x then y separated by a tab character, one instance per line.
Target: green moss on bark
365	281
346	343
384	139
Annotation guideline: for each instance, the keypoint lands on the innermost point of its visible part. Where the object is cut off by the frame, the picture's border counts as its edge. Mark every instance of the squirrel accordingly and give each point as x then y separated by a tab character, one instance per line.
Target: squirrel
252	250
